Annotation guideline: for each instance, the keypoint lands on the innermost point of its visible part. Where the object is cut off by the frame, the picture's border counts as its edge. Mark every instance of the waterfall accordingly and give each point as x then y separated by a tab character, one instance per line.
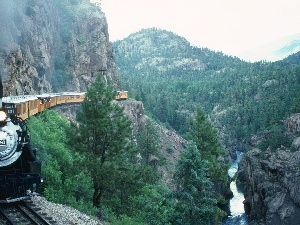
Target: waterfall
236	206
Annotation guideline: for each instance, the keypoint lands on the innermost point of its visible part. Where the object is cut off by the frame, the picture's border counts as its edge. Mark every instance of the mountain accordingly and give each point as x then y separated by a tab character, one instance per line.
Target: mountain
274	51
157	48
249	103
293	59
51	46
172	77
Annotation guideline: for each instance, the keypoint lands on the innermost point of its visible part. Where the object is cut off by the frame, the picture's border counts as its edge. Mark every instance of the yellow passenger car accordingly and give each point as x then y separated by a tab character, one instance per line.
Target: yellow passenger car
43	102
60	99
74	97
19	105
122	95
32	105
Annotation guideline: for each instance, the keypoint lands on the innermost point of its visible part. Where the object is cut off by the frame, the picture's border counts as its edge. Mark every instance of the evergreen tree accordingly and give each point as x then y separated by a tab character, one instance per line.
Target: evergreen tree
103	137
205	137
148	142
148	145
153	205
194	194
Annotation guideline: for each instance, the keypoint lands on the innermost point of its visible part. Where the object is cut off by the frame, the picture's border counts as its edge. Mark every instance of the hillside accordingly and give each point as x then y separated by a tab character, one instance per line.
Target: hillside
172	77
165	52
250	103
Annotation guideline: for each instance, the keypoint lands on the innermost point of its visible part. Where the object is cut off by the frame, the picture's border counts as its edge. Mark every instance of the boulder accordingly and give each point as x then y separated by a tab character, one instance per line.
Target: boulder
271	183
296	144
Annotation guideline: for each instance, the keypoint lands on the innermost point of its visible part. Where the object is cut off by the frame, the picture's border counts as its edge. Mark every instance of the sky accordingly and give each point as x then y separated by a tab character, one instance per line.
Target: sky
230	26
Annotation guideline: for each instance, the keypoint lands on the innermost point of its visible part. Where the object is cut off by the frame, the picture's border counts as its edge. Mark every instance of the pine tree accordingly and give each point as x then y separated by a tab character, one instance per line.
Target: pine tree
206	139
148	142
194	195
103	137
148	145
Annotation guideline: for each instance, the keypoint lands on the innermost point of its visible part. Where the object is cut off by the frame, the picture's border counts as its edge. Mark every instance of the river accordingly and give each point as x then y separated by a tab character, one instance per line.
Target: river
236	206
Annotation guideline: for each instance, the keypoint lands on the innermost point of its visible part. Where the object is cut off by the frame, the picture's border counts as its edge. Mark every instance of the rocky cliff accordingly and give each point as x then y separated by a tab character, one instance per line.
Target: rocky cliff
170	143
48	46
271	181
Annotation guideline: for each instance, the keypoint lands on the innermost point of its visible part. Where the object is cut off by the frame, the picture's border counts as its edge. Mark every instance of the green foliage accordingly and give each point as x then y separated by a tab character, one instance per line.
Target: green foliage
170	149
148	142
103	137
60	79
66	34
64	181
60	63
194	191
111	219
153	205
30	11
206	139
124	220
274	138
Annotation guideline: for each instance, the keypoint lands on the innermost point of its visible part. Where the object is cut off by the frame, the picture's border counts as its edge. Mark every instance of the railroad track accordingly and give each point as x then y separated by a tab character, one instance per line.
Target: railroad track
21	213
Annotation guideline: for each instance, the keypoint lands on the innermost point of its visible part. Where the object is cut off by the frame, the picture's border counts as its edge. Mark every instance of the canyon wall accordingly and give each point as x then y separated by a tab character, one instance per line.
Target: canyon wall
52	46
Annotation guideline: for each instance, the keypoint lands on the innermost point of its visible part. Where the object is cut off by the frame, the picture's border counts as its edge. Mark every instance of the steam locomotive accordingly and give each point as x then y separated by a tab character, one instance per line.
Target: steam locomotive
20	171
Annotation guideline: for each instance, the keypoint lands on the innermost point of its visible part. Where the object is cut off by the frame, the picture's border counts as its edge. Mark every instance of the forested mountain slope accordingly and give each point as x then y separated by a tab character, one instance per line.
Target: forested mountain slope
172	77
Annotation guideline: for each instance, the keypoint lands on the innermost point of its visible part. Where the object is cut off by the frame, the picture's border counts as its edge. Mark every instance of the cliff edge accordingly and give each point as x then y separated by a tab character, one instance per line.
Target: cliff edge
271	181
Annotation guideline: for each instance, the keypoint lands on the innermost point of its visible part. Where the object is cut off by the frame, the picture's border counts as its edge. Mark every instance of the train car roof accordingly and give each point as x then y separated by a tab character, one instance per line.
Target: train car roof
72	93
30	97
43	96
18	99
24	98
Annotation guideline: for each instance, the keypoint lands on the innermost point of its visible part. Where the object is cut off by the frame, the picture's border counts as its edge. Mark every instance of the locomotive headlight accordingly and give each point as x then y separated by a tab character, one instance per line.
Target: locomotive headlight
3	116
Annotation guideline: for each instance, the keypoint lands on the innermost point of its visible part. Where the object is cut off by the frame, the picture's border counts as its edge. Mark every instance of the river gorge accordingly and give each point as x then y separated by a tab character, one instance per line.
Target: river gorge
236	206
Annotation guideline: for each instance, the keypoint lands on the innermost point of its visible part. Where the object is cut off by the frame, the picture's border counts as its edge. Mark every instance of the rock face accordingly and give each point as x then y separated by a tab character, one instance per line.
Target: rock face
292	123
170	143
271	183
50	46
135	111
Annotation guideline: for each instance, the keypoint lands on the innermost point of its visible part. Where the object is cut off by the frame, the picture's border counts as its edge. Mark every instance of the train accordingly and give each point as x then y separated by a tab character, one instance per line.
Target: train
20	171
121	95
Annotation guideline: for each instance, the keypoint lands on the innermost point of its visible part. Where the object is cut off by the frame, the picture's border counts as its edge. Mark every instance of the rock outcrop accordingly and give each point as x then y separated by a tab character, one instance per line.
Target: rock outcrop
135	111
292	123
170	143
54	45
271	183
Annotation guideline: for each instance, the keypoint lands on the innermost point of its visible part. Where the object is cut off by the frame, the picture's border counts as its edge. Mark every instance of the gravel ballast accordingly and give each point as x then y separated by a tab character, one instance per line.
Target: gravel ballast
61	214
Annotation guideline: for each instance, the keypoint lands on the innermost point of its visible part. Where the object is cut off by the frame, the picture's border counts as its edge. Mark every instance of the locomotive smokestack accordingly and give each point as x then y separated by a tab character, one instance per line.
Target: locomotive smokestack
1	88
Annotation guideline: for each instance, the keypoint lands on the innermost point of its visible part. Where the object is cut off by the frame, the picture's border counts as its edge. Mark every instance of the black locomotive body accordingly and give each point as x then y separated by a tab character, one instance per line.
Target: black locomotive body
20	172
